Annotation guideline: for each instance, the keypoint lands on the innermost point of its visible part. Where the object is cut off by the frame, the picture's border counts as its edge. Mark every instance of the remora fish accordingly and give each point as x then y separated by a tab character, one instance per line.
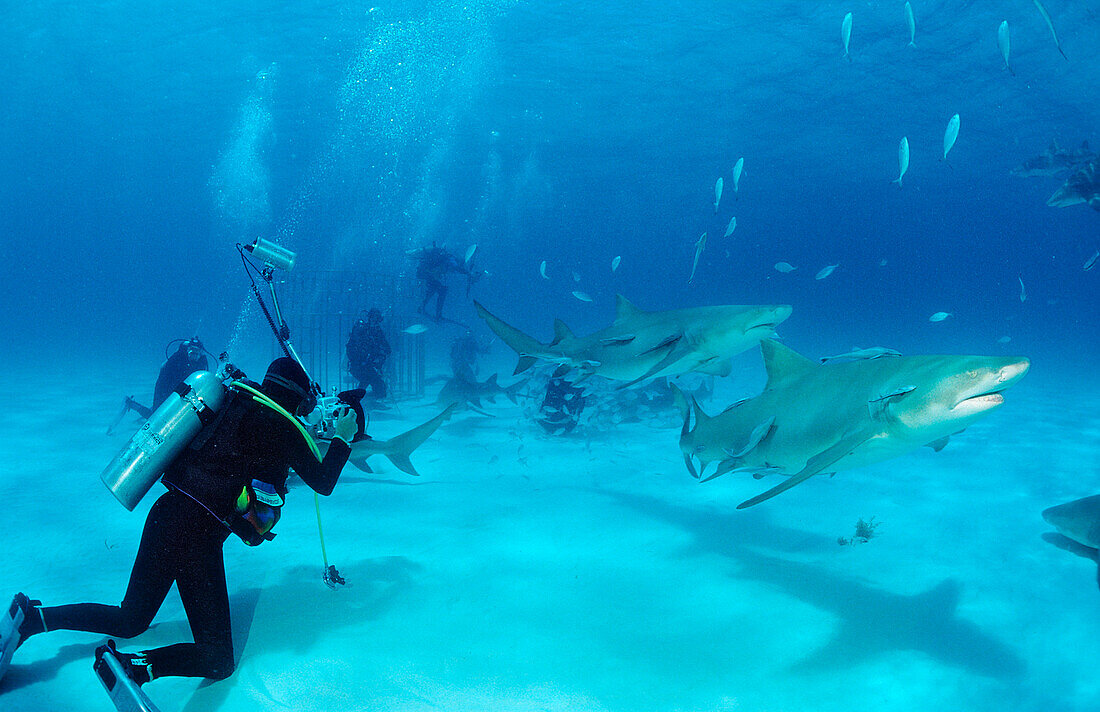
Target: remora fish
950	135
1078	525
641	344
837	416
1003	42
858	353
846	34
903	159
700	245
1050	24
911	23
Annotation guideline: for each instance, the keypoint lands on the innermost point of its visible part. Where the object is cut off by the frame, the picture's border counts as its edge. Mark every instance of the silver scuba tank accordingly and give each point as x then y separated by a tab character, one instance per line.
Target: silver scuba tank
164	435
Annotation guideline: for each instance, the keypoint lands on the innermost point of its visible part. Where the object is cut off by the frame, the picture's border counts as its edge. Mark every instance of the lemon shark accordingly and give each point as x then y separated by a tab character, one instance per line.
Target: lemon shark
641	344
397	449
814	418
1078	525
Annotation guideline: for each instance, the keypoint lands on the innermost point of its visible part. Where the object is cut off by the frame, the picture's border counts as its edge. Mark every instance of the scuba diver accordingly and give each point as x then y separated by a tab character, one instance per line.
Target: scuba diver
561	408
367	350
433	266
190	356
231	478
464	353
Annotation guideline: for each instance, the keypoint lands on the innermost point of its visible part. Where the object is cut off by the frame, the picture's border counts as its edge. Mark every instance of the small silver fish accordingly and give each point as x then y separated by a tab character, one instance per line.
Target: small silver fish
470	252
846	34
911	22
826	271
582	296
542	269
939	316
1091	262
784	267
1004	42
615	262
731	227
717	194
737	168
1023	289
1004	339
700	245
415	329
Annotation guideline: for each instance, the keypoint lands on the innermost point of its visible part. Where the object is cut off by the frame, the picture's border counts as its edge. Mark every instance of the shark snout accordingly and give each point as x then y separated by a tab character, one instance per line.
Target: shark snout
772	317
1008	375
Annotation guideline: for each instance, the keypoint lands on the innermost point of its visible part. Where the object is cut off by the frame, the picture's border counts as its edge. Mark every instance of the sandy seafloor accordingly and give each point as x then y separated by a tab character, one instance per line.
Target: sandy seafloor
529	572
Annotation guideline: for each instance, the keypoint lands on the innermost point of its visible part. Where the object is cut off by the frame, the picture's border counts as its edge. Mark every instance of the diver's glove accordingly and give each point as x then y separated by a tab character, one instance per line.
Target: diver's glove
346	426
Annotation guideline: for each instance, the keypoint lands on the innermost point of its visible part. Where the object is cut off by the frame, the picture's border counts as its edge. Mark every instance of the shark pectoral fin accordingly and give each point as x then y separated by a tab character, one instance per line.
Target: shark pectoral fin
668	341
672	357
724	466
939	444
816	464
524	363
361	463
715	367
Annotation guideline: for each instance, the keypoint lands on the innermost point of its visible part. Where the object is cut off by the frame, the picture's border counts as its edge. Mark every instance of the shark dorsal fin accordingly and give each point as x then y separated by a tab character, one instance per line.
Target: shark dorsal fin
492	381
561	331
624	309
782	362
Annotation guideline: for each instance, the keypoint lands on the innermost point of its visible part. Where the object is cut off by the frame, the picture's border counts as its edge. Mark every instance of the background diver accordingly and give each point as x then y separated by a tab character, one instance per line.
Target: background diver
367	350
433	265
230	479
190	356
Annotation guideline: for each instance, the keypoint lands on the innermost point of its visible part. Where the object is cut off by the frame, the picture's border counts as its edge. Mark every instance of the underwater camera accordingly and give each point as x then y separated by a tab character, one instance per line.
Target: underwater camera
324	416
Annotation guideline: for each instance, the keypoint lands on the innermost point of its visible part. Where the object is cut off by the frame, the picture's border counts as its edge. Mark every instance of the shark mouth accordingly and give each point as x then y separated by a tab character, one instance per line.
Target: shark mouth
991	397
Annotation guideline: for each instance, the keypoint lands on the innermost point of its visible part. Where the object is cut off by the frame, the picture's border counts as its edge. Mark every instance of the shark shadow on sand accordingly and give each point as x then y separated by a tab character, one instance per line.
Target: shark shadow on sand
870	621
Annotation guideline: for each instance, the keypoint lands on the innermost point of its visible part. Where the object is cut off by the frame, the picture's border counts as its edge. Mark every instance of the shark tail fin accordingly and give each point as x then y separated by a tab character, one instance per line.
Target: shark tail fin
401	447
516	340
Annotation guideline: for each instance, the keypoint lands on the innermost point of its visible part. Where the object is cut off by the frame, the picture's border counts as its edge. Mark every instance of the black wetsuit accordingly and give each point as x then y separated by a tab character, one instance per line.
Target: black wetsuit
435	263
367	351
172	373
184	532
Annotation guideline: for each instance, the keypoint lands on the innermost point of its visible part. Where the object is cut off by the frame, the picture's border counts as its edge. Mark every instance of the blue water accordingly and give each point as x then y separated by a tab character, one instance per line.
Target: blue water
140	141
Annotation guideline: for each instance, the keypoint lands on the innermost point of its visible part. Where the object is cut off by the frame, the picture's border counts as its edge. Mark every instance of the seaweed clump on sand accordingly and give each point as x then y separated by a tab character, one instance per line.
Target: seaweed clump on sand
865	531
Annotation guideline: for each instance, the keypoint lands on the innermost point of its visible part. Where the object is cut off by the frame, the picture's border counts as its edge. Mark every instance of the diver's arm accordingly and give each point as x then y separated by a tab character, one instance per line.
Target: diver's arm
322	476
